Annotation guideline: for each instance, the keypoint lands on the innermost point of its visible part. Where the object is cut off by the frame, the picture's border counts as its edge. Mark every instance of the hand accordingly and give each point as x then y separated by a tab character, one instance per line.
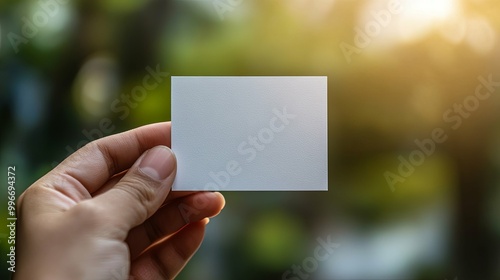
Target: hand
107	212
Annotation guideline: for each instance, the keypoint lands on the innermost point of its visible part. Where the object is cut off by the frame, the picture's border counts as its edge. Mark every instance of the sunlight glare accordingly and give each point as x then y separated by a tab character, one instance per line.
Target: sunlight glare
431	9
420	17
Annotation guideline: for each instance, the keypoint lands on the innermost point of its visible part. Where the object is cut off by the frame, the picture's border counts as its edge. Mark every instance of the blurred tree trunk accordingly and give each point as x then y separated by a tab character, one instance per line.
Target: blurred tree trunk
474	245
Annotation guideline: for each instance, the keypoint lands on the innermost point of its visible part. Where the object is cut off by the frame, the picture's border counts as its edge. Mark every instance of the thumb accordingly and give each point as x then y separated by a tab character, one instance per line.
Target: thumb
140	192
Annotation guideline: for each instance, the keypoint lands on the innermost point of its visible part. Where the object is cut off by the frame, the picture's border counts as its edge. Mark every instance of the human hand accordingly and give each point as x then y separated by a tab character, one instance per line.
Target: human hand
107	212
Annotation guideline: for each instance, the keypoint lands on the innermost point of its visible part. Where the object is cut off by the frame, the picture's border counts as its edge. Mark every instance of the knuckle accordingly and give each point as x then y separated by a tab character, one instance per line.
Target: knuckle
32	197
87	211
141	190
104	150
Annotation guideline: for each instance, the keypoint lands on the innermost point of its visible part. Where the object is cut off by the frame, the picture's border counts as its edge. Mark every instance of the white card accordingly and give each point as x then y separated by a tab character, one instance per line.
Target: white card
250	133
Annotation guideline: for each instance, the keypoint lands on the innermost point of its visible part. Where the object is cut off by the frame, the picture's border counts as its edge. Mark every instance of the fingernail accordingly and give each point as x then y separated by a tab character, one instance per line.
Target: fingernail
158	163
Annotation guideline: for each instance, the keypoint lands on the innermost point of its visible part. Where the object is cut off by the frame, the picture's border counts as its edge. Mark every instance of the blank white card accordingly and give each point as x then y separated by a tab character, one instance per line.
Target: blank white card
250	133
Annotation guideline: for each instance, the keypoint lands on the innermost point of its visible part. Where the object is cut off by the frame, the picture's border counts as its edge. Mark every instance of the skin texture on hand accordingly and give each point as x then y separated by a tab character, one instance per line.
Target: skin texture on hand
107	212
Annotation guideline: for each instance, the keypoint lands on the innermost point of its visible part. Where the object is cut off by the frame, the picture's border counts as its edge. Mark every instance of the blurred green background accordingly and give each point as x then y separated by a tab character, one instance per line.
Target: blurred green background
396	70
